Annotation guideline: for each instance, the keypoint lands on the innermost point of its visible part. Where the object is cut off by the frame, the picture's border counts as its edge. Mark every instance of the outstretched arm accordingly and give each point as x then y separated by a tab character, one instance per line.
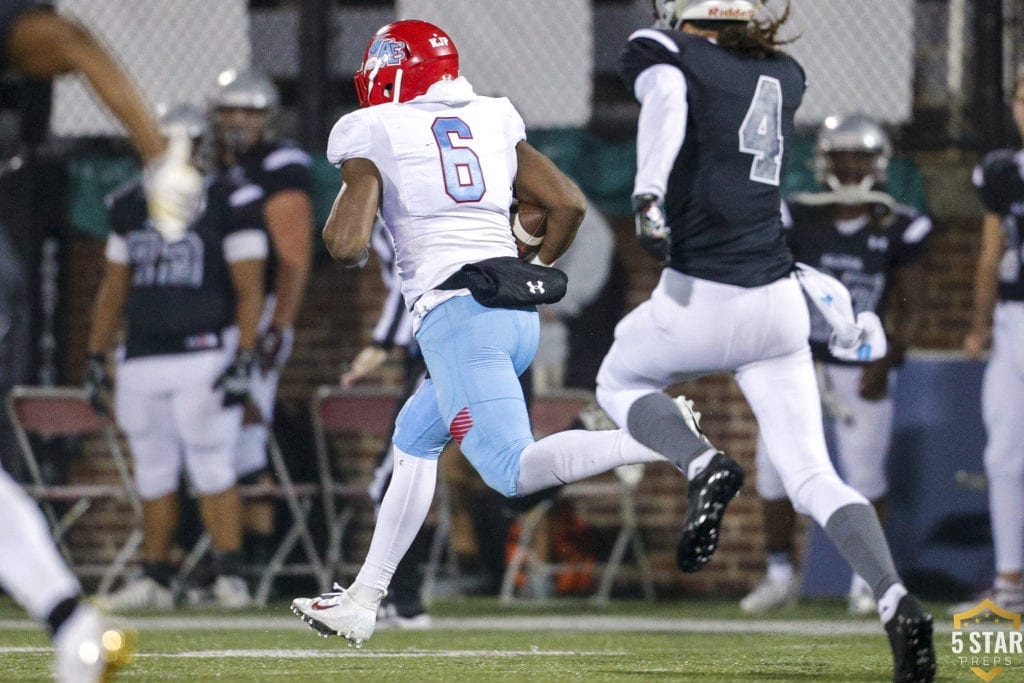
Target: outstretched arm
44	44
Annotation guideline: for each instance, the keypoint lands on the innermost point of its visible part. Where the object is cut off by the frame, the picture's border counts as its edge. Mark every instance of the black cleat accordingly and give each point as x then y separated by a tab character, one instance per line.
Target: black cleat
910	636
710	492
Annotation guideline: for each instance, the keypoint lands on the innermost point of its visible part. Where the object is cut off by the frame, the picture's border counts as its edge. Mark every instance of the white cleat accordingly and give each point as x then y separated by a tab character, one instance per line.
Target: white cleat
861	601
338	613
1008	596
88	649
138	594
771	595
692	417
231	592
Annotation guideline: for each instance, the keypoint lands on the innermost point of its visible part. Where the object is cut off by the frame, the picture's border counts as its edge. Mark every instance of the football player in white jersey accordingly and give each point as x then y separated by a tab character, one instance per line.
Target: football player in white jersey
440	163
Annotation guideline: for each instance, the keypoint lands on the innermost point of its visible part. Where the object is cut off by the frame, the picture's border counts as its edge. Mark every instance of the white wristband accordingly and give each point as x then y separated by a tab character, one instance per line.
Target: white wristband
536	261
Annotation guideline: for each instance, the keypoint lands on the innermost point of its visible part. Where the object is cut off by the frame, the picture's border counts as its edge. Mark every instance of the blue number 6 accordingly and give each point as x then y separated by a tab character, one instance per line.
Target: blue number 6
463	177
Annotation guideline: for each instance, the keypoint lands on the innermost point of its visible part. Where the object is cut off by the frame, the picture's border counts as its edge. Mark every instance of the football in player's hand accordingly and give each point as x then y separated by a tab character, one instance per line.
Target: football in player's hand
529	223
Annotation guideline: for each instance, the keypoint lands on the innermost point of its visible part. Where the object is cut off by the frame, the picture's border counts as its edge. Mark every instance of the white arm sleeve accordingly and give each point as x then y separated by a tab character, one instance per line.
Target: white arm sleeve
661	129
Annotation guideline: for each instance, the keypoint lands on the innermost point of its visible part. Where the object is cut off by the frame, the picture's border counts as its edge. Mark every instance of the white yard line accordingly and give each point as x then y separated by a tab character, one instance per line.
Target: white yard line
377	654
580	623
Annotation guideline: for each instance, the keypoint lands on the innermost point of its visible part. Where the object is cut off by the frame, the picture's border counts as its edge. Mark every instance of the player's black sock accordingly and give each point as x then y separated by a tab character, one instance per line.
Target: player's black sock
161	572
228	564
59	614
259	548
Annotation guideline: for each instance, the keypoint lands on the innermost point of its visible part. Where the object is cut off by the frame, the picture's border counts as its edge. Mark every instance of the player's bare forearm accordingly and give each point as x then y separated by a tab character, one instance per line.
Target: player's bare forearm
107	308
540	182
911	300
247	277
350	224
44	44
289	217
986	274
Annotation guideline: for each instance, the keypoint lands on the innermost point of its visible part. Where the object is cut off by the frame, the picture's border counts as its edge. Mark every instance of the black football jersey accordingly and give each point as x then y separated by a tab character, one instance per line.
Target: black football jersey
862	259
272	168
722	199
1000	182
181	296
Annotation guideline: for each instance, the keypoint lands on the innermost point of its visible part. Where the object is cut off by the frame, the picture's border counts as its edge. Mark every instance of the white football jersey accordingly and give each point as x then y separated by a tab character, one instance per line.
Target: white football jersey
447	160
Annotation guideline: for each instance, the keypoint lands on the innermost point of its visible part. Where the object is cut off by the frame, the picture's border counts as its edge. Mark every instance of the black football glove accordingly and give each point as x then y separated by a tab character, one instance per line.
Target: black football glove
273	348
652	233
97	384
236	380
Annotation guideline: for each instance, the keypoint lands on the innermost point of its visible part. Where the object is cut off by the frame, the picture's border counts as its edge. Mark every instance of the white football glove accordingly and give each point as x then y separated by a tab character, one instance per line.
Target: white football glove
174	188
860	338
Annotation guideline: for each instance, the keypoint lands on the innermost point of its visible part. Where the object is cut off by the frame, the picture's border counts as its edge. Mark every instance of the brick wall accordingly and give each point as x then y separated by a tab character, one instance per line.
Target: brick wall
342	305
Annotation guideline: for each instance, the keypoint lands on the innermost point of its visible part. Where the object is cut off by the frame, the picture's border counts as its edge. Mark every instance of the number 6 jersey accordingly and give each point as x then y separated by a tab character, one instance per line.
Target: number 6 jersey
447	161
722	189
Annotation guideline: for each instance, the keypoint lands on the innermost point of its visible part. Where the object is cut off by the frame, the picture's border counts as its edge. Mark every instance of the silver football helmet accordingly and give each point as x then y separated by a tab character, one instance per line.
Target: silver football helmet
867	167
672	13
193	122
244	111
246	90
184	117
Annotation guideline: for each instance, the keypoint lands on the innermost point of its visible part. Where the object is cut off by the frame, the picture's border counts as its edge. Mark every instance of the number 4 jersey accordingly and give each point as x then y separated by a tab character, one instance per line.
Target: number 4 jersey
722	196
447	161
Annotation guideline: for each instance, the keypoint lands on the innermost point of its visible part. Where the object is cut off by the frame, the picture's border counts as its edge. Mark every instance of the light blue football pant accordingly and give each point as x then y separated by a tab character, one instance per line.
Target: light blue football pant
474	355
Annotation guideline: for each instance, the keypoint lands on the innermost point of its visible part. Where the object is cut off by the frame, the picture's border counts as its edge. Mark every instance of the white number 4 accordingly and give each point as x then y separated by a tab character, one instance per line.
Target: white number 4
761	132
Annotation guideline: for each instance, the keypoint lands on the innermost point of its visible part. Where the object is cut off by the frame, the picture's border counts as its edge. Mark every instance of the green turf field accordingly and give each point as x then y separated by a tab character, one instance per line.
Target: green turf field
478	640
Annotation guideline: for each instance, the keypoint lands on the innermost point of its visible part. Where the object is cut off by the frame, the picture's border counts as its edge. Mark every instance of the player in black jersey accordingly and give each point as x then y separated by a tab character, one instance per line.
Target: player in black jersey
858	234
718	98
999	318
276	175
190	310
37	42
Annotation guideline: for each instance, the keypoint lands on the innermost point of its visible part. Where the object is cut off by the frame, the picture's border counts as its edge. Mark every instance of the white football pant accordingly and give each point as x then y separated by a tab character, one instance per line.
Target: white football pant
863	431
31	569
691	327
171	414
1002	405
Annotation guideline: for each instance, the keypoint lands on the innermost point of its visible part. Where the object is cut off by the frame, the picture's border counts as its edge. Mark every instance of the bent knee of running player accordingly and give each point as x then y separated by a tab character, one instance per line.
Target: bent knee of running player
493	438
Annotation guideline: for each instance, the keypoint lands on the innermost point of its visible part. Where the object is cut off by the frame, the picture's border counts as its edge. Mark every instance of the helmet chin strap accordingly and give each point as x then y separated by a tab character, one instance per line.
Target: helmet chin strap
398	85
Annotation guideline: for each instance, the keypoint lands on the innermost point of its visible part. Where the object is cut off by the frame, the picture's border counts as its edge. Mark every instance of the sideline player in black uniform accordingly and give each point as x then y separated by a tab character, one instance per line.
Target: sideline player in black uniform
999	318
190	310
718	99
858	234
38	42
276	175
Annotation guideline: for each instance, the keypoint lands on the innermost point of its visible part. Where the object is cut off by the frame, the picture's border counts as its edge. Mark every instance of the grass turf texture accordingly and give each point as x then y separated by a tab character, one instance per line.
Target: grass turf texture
473	642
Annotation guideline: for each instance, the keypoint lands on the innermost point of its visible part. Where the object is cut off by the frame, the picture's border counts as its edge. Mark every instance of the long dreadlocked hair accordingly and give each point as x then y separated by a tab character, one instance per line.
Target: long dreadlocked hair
754	38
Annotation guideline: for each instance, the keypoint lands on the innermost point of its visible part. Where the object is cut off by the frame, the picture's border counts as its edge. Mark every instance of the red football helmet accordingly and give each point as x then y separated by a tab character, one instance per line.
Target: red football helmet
402	60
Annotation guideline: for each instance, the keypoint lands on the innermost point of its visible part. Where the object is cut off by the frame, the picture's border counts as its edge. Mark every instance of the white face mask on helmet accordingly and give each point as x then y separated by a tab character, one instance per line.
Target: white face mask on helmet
672	13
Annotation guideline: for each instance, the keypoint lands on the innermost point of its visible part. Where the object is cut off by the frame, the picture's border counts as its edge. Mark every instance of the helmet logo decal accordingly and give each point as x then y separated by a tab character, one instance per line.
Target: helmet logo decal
438	41
385	51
